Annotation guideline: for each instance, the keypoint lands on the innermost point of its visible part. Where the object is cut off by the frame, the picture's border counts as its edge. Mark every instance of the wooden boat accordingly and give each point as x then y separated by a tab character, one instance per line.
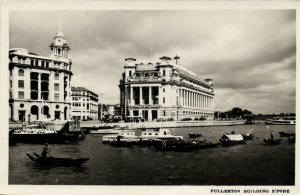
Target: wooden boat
176	145
206	145
283	134
232	139
53	161
272	141
248	136
194	135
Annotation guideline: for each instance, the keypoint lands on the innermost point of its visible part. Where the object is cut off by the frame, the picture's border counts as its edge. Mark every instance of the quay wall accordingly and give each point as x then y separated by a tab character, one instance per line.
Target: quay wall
167	124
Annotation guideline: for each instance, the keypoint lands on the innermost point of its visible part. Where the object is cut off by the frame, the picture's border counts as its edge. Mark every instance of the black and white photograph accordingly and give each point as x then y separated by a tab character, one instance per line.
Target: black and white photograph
151	97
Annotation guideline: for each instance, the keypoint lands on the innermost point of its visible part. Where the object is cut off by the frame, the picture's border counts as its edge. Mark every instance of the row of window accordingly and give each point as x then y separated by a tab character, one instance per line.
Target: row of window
21	74
79	98
21	85
35	62
21	96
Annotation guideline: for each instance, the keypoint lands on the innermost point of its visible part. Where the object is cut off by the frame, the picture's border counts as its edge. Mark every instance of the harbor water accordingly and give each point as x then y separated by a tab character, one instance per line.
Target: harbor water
249	164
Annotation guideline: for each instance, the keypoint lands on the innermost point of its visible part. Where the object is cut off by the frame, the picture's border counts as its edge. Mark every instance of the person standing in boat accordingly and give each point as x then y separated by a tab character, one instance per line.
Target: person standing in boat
272	137
45	151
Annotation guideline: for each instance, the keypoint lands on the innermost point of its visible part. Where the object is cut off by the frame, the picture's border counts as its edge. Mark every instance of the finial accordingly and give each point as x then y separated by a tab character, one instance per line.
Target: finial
176	58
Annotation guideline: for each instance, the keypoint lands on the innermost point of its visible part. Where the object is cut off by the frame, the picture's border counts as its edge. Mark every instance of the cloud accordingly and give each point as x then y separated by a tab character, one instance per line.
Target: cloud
250	54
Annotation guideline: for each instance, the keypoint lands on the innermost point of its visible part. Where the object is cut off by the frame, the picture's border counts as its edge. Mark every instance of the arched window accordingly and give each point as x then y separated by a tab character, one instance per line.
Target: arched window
21	72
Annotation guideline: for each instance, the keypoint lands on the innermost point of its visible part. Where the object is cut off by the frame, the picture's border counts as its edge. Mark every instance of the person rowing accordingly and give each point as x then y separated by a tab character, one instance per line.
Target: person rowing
45	151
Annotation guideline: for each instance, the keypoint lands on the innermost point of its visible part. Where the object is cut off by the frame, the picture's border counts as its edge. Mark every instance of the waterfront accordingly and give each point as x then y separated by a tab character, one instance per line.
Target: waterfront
249	164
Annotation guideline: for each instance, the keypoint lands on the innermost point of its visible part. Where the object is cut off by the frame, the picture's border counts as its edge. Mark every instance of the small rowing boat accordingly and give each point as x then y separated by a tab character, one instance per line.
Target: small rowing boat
53	161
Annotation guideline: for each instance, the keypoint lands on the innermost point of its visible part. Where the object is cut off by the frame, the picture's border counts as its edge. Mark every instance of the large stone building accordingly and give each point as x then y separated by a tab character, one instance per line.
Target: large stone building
40	86
84	104
164	90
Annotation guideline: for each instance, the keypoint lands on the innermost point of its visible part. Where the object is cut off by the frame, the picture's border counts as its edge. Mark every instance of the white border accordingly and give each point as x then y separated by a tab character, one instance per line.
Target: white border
7	6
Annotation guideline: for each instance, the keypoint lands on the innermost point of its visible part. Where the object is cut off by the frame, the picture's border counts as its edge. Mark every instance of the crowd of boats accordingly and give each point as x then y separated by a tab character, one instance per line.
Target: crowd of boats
157	138
162	139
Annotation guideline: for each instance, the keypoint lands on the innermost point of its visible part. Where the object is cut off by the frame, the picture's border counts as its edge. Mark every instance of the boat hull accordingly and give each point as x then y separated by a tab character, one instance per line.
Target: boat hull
52	161
272	142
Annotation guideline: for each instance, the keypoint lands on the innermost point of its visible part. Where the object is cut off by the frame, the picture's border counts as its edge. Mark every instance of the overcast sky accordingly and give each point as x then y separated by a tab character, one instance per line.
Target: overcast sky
249	54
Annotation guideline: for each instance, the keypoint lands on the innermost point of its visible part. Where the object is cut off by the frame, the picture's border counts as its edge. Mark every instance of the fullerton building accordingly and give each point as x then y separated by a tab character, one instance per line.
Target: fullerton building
164	90
40	86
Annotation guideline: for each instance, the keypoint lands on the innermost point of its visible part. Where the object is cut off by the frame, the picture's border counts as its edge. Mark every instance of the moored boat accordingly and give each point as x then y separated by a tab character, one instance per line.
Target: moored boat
232	139
283	134
272	141
281	121
34	134
248	136
158	133
123	134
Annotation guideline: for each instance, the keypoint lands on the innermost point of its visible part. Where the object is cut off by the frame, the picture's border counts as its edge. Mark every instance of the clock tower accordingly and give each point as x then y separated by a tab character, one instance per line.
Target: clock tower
59	45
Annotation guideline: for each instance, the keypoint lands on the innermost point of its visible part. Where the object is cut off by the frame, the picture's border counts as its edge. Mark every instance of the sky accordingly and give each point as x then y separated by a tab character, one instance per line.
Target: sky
249	54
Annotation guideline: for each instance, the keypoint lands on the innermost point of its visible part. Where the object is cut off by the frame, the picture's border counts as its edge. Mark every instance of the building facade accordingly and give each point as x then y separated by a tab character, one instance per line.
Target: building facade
84	104
40	86
164	90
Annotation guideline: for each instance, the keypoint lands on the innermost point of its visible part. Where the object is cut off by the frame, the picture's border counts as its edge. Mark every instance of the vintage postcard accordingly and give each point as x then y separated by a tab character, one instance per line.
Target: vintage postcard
179	97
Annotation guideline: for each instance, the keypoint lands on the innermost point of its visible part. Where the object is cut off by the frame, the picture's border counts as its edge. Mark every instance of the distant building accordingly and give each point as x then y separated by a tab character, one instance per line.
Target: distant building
84	104
39	87
164	90
111	110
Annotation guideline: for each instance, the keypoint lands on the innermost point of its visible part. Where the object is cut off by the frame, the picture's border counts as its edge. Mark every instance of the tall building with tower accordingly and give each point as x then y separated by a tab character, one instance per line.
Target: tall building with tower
40	86
165	90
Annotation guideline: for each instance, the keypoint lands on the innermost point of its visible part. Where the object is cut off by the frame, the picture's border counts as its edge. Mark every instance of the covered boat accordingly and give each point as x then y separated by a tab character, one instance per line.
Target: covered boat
123	135
232	139
53	161
159	133
272	141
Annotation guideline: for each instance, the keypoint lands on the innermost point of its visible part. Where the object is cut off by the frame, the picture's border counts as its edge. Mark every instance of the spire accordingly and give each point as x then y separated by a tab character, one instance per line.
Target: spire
59	23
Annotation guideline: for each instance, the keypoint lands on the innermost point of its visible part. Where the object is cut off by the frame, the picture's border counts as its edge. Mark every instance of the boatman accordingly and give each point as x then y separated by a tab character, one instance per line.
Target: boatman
272	137
45	151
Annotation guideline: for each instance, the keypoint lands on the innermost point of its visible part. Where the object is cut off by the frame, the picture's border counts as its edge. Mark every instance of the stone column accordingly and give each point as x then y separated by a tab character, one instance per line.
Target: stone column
131	96
141	94
150	96
149	115
39	87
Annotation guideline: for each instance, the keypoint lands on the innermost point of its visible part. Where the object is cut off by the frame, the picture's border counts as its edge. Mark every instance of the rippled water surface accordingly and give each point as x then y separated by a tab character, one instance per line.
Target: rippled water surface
249	164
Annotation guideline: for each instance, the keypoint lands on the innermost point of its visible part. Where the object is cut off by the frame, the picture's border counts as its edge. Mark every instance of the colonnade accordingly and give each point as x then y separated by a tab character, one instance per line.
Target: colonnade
141	98
195	100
